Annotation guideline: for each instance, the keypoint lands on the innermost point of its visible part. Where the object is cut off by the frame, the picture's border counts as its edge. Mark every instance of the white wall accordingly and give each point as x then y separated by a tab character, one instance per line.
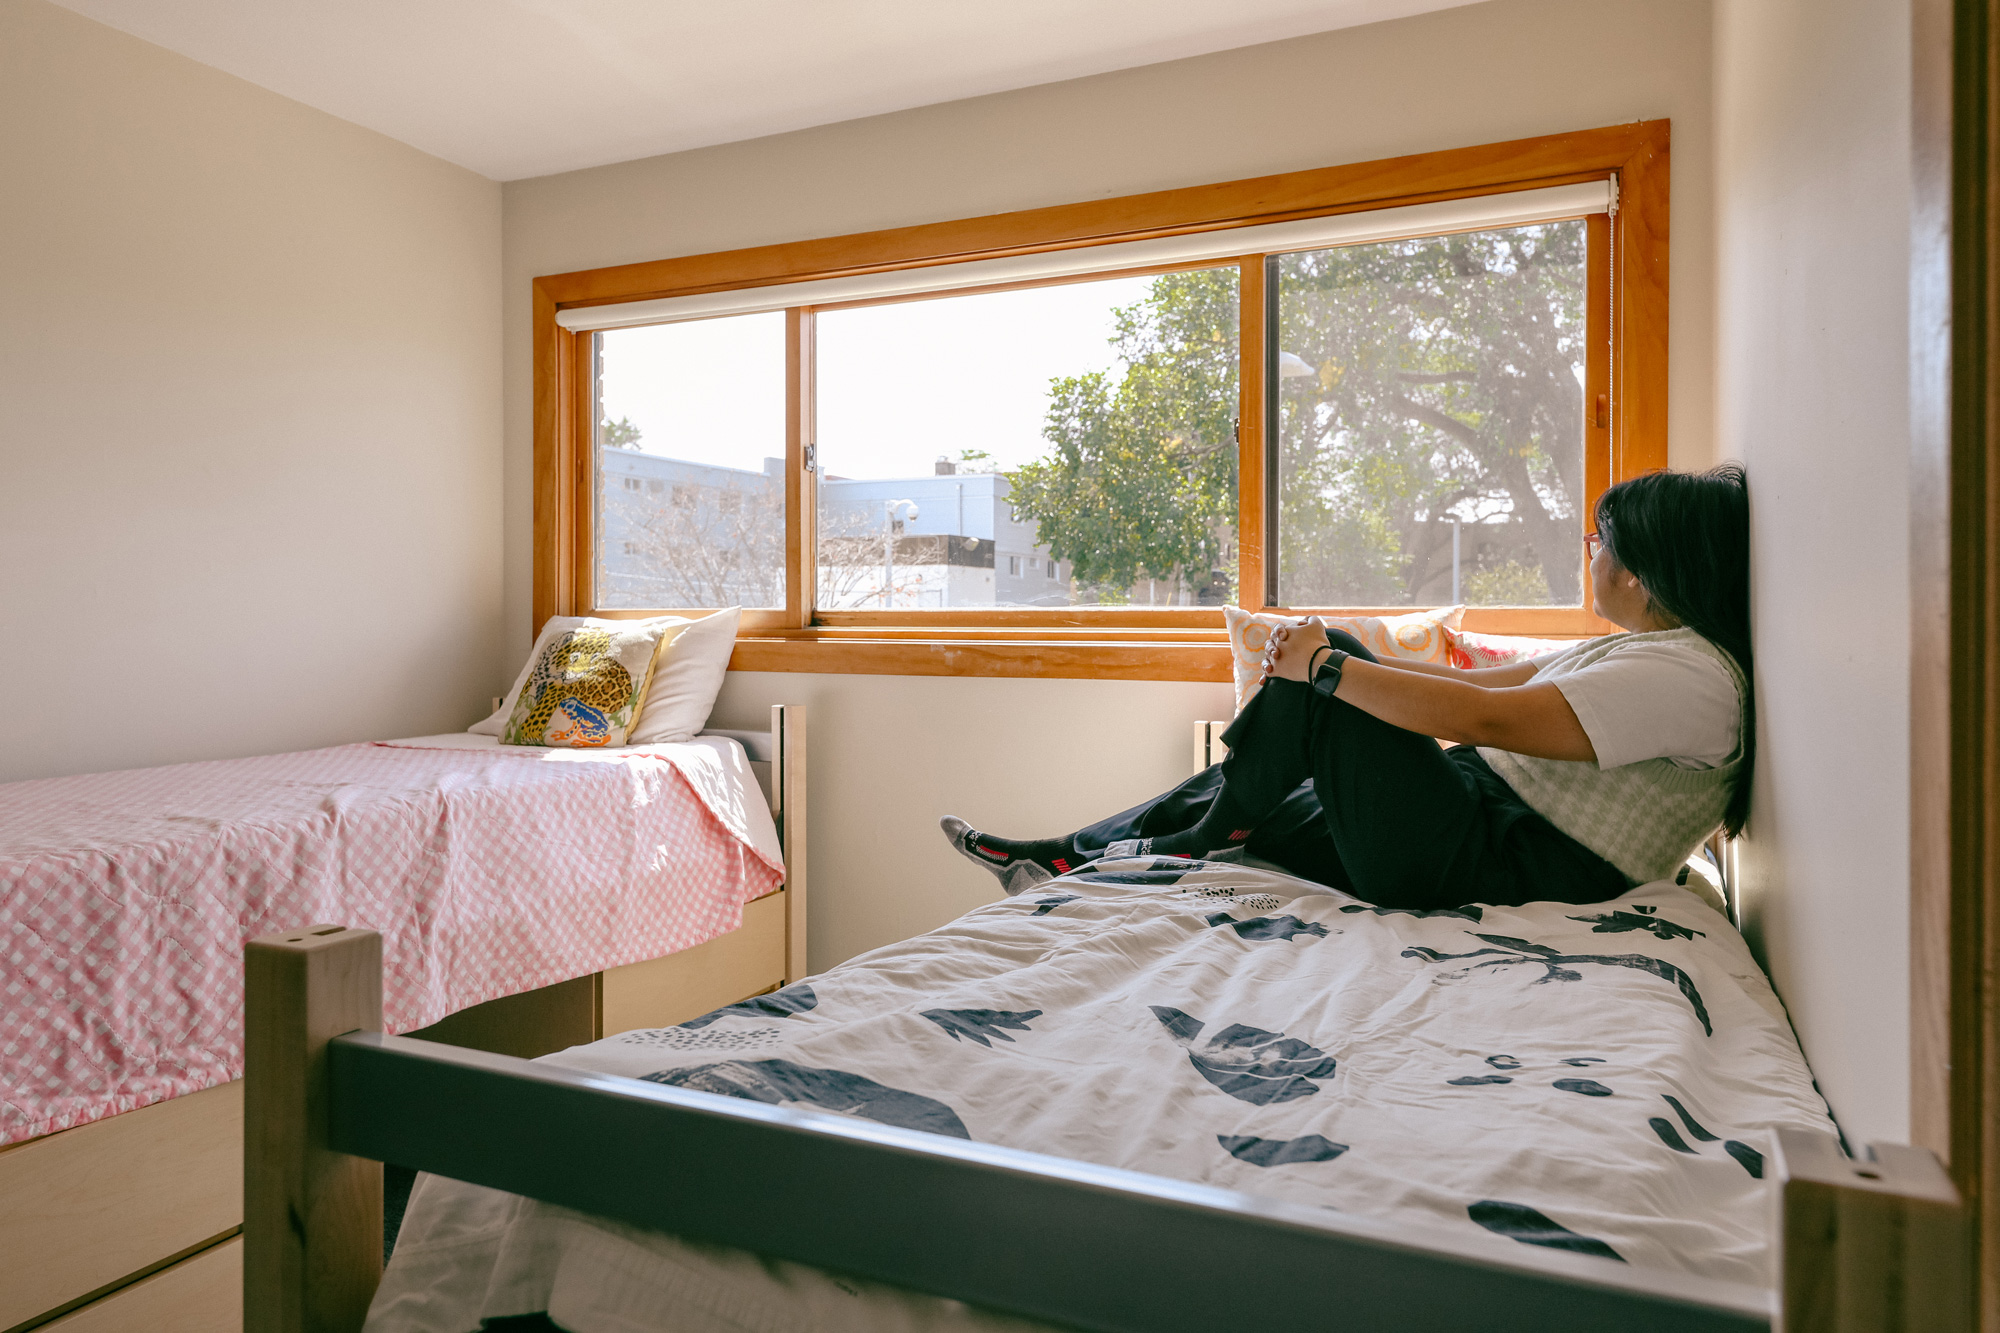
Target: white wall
249	415
1036	757
889	754
1813	188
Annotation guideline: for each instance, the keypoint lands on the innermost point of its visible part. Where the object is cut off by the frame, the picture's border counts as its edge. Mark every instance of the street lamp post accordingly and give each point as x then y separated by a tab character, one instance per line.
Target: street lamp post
1454	561
891	525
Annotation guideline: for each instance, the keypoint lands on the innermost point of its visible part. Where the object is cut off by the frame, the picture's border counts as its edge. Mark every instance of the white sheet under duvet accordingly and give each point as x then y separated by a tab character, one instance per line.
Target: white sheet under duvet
1599	1079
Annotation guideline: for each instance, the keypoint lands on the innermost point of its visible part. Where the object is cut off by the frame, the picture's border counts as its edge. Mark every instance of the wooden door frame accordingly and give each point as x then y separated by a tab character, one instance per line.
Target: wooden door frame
1955	610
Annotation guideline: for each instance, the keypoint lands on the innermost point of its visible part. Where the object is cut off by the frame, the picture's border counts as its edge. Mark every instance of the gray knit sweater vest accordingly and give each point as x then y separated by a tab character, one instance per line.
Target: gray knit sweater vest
1645	818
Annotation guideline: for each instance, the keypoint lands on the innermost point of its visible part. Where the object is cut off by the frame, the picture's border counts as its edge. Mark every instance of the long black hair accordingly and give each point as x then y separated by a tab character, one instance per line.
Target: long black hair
1686	535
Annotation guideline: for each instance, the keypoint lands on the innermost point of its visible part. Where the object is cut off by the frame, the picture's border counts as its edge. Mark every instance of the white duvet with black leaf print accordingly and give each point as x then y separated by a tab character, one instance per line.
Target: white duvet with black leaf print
1598	1079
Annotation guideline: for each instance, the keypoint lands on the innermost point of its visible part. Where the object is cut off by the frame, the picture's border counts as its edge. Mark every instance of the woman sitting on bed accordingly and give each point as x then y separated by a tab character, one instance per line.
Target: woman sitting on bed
1573	777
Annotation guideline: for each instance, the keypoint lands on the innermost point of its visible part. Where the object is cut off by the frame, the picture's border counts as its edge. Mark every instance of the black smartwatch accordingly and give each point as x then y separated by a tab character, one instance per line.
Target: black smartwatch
1326	678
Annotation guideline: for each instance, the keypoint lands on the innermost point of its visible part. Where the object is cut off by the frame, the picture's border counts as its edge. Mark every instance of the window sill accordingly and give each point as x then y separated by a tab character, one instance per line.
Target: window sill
1186	651
1045	656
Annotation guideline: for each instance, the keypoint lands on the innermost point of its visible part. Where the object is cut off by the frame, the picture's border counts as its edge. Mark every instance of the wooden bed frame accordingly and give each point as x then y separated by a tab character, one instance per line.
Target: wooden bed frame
1862	1246
134	1221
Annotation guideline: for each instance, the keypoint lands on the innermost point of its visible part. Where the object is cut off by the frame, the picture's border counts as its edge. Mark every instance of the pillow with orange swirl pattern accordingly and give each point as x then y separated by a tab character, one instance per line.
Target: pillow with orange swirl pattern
1419	636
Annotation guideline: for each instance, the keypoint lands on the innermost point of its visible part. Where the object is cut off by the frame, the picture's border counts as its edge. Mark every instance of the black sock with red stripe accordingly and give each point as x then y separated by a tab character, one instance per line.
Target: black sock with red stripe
1012	858
1227	824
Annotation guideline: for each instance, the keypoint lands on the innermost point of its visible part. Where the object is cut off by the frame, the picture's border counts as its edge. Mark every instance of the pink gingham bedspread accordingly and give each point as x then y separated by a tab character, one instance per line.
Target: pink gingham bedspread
125	898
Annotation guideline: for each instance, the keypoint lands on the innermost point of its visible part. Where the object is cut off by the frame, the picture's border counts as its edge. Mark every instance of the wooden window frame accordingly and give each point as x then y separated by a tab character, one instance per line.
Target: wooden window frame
1627	363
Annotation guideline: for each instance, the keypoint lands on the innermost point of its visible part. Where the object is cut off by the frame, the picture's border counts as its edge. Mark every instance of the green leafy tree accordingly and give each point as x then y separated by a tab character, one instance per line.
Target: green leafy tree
620	434
1507	583
1140	478
1442	382
1428	379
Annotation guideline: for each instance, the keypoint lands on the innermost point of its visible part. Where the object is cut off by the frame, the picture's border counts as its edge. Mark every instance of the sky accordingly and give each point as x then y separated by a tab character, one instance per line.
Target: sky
898	384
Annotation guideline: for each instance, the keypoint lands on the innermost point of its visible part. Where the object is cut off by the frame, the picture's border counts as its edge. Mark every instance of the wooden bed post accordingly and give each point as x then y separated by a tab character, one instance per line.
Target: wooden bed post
312	1219
1208	746
788	804
1872	1245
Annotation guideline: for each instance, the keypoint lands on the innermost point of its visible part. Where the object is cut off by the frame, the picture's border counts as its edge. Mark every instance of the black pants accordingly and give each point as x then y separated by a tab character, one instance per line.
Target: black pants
1379	812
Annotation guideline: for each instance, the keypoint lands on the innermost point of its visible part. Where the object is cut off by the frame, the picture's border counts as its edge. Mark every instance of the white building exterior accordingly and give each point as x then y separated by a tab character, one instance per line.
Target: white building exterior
676	533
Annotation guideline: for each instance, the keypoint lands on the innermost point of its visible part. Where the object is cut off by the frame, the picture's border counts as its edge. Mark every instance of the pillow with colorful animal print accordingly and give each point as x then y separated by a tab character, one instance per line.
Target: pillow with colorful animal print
585	682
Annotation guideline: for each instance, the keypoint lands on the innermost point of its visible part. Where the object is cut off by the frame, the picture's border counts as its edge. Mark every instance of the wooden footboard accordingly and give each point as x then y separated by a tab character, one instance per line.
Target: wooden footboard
130	1222
1869	1246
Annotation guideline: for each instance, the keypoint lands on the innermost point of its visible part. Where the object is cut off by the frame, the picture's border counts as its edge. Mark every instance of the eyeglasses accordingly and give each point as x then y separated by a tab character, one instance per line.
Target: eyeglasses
1593	544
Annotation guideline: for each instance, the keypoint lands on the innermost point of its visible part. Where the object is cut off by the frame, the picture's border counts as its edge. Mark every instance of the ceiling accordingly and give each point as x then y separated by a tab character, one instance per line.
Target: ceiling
516	88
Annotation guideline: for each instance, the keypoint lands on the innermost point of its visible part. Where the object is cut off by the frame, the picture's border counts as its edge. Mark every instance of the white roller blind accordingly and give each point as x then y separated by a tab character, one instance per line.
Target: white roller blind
1493	210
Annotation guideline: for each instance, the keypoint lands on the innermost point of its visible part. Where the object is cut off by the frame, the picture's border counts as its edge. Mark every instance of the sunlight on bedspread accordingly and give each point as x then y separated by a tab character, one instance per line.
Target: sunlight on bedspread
1597	1079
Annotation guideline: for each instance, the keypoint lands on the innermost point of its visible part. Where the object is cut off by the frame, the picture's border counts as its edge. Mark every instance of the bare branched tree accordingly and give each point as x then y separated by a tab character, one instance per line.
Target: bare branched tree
696	546
853	561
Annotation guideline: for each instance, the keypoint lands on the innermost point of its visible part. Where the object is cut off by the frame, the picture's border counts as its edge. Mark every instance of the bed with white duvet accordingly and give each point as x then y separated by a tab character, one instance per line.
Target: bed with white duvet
1599	1079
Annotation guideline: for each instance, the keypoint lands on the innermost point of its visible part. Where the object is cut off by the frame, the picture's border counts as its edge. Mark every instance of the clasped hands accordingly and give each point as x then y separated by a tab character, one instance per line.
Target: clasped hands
1288	652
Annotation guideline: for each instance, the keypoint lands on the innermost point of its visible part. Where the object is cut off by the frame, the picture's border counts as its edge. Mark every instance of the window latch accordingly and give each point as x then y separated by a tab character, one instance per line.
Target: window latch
812	458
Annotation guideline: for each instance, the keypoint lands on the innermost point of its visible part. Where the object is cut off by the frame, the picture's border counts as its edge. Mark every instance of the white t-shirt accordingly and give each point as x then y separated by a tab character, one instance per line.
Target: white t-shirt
1650	699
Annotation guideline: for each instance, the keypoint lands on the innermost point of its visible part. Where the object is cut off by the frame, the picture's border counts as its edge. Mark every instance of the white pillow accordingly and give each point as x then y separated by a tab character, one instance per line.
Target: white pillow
687	674
686	678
